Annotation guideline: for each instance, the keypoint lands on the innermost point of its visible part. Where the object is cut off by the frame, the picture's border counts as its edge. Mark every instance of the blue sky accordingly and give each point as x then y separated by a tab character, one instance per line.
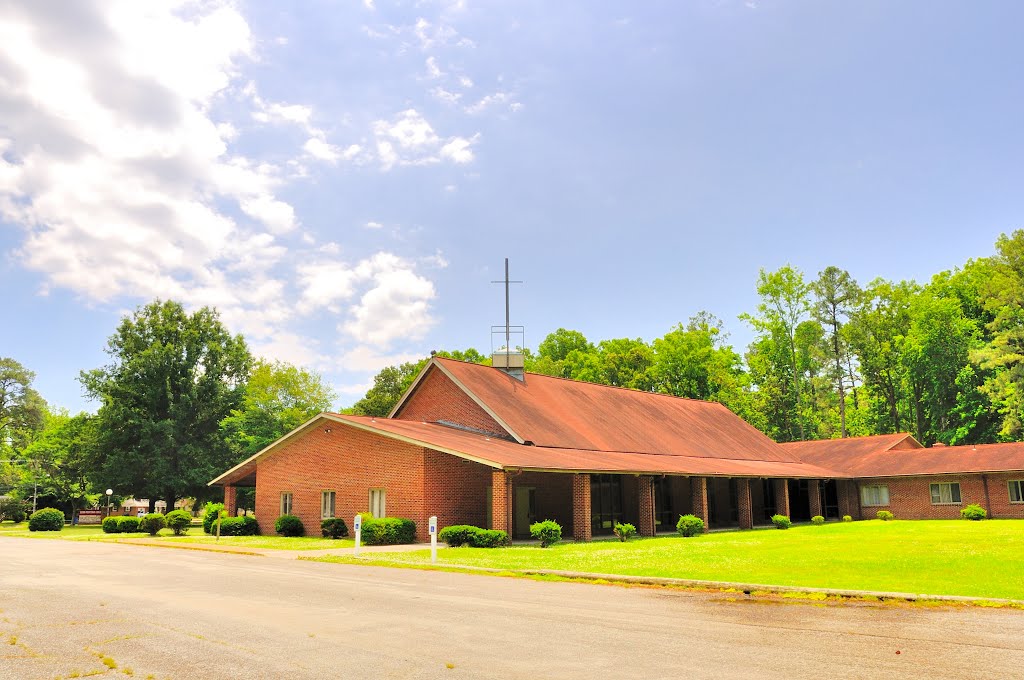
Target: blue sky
343	180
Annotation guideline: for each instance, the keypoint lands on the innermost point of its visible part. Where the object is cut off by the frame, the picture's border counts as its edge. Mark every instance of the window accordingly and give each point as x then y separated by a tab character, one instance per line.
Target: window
286	503
874	495
327	505
377	502
945	494
1017	491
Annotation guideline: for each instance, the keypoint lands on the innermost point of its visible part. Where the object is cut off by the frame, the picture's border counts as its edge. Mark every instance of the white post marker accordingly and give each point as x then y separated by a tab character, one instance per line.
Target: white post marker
357	523
433	539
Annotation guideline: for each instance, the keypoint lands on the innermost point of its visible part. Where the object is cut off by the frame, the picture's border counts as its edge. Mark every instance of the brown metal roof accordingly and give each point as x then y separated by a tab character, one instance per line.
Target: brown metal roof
879	456
558	413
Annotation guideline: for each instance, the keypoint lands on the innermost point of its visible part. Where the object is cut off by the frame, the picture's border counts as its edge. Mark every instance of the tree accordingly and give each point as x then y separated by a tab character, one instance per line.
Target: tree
22	410
173	378
837	294
392	382
277	398
626	362
63	455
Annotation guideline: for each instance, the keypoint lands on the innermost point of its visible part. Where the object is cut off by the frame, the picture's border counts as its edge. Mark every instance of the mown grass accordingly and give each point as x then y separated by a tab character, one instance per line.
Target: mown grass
977	559
195	535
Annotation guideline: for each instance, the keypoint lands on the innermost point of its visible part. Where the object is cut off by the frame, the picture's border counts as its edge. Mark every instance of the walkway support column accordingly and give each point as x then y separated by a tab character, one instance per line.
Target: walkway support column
645	499
581	530
501	501
781	496
745	504
230	501
699	491
814	495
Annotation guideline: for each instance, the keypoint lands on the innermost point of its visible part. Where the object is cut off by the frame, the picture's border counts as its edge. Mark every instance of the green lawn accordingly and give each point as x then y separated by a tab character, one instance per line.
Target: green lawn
951	557
195	535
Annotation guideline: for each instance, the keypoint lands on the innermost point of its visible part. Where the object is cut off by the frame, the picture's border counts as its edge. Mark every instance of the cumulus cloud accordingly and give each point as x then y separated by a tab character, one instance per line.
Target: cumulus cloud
409	139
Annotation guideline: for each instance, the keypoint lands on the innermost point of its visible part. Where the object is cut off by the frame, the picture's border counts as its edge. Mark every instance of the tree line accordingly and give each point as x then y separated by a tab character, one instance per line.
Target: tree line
830	357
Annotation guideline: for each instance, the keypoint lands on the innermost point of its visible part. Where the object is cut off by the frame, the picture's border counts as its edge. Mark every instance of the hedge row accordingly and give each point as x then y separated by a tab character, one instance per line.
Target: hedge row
388	531
475	537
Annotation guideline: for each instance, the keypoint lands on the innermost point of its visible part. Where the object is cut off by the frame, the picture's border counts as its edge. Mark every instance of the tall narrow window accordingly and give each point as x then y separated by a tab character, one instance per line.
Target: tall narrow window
1017	491
377	502
327	505
945	494
286	503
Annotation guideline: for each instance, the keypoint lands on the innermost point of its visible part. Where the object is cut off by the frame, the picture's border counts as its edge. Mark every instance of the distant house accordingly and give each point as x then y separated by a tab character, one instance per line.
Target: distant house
497	447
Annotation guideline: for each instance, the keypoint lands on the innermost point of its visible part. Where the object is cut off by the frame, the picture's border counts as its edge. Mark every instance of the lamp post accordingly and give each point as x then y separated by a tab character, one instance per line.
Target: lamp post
109	492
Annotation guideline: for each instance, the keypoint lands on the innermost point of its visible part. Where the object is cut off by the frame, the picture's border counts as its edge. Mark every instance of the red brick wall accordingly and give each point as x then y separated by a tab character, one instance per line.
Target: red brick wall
553	497
910	498
349	462
455	490
438	398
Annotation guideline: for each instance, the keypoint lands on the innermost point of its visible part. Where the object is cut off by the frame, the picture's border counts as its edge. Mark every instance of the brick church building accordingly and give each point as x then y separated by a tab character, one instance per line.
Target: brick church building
499	448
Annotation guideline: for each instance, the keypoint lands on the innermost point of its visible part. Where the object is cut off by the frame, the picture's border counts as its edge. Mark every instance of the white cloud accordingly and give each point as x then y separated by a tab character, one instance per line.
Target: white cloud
487	102
444	95
366	359
458	149
396	307
410	139
318	148
433	70
373	225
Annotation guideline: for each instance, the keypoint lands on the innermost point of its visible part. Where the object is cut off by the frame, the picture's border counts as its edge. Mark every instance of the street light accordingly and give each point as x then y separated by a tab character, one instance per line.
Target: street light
109	492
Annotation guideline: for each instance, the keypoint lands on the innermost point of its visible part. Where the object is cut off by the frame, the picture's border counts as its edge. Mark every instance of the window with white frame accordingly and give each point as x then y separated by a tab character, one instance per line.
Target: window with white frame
876	494
286	502
1017	491
946	493
377	502
327	504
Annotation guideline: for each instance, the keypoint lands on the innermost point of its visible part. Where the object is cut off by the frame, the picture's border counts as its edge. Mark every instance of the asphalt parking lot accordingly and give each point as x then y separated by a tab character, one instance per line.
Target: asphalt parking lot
121	610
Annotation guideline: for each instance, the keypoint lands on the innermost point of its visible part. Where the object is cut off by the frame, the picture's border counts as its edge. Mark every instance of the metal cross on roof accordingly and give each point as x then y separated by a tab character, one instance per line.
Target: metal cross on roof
508	328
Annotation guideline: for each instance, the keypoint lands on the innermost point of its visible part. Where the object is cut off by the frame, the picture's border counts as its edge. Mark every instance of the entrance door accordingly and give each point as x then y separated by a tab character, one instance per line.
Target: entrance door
664	517
525	511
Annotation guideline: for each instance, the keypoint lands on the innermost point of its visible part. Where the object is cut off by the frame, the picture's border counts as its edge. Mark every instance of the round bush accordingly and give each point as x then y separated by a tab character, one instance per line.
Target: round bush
458	535
128	524
389	531
547	532
239	526
781	522
817	520
178	521
334	527
973	512
488	538
152	523
624	531
690	525
885	515
289	525
47	519
111	525
847	518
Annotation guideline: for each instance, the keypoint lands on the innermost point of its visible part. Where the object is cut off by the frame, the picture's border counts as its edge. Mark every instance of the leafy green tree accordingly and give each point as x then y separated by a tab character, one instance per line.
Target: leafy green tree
277	398
63	455
22	410
172	379
557	345
626	362
392	382
836	296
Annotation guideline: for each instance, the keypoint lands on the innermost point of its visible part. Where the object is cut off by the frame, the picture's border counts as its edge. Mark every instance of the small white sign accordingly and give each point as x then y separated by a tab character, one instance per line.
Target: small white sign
357	523
433	524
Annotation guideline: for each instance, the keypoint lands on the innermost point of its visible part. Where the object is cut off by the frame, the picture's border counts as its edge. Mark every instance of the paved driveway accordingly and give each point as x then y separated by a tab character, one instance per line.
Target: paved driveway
67	607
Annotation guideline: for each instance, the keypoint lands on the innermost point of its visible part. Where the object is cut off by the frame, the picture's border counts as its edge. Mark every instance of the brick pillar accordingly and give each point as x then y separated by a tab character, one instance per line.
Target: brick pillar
501	501
814	492
230	501
699	488
581	507
781	496
645	501
745	503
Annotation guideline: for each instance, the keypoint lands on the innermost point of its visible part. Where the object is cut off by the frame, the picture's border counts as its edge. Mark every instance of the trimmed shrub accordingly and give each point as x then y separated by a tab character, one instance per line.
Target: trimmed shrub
152	523
210	514
366	517
178	521
13	509
547	532
334	527
47	519
488	538
239	526
781	522
847	518
458	535
289	525
690	525
388	531
885	515
817	520
974	512
624	531
128	524
111	525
